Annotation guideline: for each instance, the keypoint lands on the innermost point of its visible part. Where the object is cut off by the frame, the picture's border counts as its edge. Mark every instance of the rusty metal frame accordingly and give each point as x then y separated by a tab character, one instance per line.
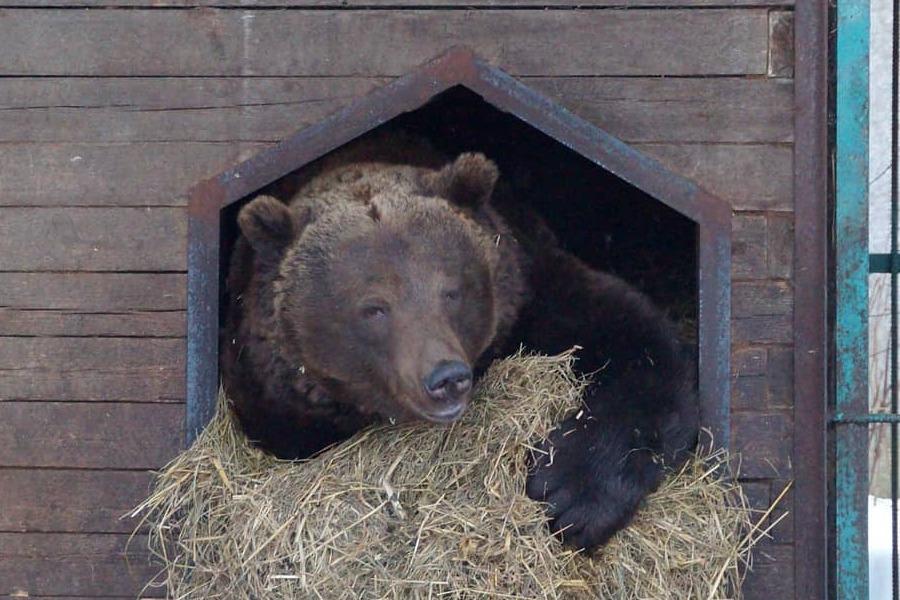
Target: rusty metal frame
811	348
460	67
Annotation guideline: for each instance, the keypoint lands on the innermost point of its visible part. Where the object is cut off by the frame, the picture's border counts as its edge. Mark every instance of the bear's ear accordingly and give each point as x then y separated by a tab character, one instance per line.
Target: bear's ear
468	181
269	225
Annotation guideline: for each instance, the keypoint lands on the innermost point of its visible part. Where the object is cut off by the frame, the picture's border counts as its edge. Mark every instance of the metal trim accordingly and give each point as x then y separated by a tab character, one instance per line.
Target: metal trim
203	306
880	263
460	67
810	298
851	255
865	419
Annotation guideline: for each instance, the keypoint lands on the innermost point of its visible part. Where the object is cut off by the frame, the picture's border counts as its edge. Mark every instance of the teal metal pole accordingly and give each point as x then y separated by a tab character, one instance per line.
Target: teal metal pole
851	302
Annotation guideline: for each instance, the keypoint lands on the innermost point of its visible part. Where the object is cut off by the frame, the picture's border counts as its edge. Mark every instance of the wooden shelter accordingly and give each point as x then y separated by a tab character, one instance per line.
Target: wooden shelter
113	112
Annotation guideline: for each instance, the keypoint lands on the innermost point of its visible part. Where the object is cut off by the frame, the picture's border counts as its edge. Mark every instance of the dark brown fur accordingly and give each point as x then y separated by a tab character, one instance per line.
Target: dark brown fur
343	300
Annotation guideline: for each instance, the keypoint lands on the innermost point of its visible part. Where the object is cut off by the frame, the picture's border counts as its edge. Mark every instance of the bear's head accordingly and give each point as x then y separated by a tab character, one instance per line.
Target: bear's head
386	294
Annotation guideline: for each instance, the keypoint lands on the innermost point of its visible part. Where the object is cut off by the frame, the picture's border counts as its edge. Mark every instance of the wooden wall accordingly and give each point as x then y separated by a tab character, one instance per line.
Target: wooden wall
110	110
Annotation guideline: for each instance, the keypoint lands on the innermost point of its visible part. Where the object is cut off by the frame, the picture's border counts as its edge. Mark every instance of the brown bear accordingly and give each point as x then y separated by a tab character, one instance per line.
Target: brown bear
393	277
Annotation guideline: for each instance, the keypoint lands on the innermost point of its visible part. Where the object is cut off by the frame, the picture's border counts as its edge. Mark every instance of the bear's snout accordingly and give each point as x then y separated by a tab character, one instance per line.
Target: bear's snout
448	386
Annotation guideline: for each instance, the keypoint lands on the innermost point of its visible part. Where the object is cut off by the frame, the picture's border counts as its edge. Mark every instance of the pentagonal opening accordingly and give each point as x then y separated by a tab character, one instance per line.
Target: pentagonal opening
605	221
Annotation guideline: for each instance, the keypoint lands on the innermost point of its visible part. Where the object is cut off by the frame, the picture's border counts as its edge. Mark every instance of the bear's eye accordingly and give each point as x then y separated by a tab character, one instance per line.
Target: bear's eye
451	294
374	311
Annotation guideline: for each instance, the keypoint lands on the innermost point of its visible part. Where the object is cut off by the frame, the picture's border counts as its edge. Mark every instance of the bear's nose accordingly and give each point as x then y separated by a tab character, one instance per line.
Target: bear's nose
450	380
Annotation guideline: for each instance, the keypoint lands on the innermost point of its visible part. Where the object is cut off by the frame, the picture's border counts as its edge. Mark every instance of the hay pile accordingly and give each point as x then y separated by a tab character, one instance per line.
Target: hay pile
421	511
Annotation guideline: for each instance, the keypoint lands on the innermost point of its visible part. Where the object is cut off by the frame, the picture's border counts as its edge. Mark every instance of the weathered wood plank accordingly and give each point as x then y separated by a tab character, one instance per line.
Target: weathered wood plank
65	323
385	43
761	298
250	4
180	109
92	304
783	532
92	369
641	110
750	177
781	43
772	576
108	174
70	500
763	378
72	354
92	239
748	247
100	292
769	329
780	377
89	435
763	442
55	564
101	383
780	244
748	362
748	393
109	110
764	182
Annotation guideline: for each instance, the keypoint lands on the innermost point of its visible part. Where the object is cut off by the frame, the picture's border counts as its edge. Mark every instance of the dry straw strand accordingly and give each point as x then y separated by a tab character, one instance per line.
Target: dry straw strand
423	512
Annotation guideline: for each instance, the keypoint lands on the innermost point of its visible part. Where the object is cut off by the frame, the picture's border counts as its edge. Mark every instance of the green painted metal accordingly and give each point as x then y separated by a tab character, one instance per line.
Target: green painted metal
851	318
880	263
869	419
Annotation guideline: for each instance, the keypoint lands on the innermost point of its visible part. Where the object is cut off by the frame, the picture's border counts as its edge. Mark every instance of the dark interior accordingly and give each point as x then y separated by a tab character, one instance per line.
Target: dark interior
596	215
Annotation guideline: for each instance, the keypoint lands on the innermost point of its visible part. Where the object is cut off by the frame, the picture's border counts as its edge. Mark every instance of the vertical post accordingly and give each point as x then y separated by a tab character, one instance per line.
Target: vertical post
203	307
895	269
714	322
851	302
810	321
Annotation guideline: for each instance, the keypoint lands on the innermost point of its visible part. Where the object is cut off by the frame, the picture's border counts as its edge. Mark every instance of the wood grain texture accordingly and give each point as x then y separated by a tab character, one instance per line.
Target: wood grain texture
748	393
101	292
385	43
640	110
772	576
748	362
110	110
91	369
780	377
763	379
767	329
764	184
92	239
89	435
780	244
51	500
748	247
92	304
763	298
781	43
70	323
58	564
750	177
783	532
763	440
170	109
108	174
338	4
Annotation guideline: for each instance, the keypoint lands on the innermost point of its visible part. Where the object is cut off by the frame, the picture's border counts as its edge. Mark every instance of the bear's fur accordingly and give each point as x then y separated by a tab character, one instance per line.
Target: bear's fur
391	261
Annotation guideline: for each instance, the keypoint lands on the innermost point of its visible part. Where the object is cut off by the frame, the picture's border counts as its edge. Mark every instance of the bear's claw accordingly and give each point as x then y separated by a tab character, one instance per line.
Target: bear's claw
591	480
